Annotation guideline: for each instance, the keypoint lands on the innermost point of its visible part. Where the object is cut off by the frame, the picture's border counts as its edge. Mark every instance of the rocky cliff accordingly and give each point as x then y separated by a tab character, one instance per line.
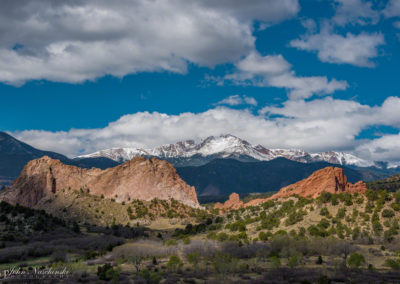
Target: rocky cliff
329	179
139	178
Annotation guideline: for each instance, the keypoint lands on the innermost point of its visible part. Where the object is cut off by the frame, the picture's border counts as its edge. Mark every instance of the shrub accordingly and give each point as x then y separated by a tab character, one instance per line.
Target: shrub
186	240
194	258
341	213
355	260
324	212
221	237
324	224
387	213
275	262
263	236
171	242
174	263
149	276
107	273
325	197
293	261
393	263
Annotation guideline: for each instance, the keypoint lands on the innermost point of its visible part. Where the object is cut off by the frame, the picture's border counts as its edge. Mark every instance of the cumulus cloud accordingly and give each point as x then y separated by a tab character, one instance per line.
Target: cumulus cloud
392	9
236	100
318	125
355	12
357	50
385	148
275	71
74	41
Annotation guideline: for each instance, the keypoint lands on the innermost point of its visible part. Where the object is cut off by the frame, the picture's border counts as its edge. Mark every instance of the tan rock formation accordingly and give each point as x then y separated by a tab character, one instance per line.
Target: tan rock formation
139	178
232	203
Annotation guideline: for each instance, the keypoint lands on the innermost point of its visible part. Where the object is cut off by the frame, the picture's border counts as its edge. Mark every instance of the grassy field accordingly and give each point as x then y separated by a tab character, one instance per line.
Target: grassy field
340	238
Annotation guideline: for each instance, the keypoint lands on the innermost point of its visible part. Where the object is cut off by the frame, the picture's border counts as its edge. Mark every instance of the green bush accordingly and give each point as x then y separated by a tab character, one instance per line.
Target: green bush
393	263
387	213
263	236
194	258
341	213
174	263
324	224
107	273
355	260
324	212
275	262
293	261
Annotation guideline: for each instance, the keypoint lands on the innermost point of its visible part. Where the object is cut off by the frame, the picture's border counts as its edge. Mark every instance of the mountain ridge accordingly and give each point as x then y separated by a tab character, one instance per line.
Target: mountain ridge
14	154
190	153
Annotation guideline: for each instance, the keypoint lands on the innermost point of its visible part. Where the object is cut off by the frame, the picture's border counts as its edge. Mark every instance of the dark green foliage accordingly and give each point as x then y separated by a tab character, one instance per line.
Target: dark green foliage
390	184
387	213
319	260
393	263
325	197
355	260
317	232
295	217
174	263
324	224
107	273
341	213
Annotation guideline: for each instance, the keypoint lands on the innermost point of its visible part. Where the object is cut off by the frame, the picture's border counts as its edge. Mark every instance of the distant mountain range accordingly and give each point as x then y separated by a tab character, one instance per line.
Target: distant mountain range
189	153
217	166
219	178
14	155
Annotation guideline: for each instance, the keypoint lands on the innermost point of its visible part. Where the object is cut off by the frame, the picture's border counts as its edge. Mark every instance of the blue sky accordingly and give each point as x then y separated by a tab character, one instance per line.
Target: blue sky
316	75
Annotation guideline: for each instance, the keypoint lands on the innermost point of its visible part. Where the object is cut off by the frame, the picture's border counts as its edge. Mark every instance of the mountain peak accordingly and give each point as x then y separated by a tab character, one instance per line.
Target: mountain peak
190	153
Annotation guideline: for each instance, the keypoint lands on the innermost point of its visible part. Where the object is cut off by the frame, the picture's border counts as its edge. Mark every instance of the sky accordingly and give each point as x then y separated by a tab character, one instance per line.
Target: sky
79	76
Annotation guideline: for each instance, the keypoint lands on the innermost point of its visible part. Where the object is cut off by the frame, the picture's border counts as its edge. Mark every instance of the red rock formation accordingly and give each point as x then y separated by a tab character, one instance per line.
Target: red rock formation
232	203
329	179
138	178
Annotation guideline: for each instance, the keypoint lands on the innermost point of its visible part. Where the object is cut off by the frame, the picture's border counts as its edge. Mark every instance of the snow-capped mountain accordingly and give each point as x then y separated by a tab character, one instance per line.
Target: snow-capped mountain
190	153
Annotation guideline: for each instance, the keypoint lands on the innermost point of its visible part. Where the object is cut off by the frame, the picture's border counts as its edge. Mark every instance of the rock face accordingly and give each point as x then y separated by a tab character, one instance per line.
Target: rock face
138	178
232	203
329	179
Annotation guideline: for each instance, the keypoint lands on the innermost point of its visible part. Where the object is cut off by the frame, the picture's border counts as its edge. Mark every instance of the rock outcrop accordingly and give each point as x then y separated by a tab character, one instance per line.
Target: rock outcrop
329	179
139	178
233	202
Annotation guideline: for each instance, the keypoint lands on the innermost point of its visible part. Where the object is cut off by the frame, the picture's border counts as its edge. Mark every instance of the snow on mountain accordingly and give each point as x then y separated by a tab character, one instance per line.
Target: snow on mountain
226	146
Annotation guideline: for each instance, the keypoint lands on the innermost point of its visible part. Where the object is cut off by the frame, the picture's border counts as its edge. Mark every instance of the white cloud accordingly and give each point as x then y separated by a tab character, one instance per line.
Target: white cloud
392	9
385	148
233	100
274	71
74	41
236	100
250	101
355	12
351	49
317	125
